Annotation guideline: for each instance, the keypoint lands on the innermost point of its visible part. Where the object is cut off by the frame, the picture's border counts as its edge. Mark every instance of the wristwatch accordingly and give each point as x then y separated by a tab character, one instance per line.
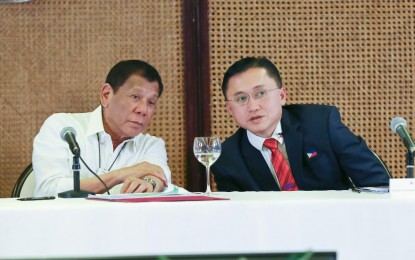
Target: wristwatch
151	181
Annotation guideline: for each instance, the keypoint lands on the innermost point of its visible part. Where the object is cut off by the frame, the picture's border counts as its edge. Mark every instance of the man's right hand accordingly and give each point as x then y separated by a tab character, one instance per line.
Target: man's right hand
119	176
143	169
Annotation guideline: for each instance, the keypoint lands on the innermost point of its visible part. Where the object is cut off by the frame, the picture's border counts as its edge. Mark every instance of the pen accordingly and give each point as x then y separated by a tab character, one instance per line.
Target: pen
37	198
354	188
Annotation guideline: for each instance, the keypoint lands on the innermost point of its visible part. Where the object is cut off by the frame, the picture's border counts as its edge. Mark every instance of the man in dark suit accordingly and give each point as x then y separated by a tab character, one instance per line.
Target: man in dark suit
313	149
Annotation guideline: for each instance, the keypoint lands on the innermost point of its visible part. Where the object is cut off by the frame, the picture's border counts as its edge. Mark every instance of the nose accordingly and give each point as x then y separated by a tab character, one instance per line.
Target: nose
141	107
252	104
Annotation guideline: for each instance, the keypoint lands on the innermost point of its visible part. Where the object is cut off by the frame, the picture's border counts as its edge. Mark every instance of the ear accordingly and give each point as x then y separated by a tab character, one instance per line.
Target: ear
283	96
106	93
229	108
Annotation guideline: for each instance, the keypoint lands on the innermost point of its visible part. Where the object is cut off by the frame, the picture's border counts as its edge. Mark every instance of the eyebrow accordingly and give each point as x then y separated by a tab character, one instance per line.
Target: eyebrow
140	89
255	88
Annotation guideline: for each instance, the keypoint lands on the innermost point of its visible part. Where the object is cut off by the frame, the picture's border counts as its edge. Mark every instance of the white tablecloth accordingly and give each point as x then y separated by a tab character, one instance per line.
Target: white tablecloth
354	225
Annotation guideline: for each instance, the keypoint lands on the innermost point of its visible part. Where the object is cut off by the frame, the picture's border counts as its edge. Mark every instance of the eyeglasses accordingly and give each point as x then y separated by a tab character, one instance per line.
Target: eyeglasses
242	99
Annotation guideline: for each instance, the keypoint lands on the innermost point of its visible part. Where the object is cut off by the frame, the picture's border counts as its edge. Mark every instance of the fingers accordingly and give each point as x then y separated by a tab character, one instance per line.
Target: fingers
161	176
135	185
143	169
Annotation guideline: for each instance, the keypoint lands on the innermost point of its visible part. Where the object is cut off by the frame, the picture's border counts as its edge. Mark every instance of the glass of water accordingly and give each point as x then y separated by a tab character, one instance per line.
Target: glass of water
207	151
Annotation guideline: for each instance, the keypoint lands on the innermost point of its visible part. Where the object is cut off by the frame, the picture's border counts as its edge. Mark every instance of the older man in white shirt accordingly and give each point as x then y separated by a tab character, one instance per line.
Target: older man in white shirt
110	138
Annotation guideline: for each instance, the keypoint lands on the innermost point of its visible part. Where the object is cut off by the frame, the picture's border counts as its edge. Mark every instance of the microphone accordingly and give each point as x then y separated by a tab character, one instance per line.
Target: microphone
68	134
398	125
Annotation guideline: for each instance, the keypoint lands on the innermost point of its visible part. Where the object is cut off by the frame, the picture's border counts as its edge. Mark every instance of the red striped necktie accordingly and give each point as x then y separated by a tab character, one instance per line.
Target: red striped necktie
281	167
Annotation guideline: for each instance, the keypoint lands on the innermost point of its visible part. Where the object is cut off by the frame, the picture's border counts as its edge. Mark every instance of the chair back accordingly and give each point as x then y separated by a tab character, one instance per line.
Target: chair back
25	184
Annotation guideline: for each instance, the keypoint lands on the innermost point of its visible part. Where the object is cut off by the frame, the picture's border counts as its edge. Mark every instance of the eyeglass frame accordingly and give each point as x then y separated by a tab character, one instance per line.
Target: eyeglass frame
266	94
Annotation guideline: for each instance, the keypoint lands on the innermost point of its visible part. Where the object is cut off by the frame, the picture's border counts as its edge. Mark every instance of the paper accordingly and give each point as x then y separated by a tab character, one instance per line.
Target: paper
405	184
402	188
381	189
173	193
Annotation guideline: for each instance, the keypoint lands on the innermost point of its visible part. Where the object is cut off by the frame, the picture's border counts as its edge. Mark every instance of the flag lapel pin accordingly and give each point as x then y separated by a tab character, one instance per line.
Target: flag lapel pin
312	153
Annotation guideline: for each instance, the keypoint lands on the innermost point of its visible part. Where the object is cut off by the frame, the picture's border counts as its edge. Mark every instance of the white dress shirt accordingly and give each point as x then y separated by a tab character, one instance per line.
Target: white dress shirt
52	158
258	143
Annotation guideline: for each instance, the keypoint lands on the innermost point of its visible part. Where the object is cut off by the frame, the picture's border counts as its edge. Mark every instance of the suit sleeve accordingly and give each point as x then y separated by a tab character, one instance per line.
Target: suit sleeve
356	159
223	183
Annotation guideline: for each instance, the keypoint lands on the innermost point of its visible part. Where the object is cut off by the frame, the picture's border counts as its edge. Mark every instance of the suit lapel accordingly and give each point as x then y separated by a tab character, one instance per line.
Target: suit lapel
256	165
293	143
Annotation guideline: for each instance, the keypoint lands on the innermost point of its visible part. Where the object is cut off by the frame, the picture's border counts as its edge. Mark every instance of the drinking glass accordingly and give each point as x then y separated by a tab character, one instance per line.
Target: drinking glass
207	151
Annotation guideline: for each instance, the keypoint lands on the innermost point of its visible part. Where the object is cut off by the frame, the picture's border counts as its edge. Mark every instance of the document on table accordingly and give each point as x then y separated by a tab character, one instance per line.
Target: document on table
172	193
381	189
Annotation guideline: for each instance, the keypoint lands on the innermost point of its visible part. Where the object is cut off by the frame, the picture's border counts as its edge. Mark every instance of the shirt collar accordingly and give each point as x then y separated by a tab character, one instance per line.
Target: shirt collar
258	141
96	126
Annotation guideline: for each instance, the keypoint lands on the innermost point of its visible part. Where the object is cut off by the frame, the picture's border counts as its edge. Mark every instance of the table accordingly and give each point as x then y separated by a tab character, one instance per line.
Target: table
354	225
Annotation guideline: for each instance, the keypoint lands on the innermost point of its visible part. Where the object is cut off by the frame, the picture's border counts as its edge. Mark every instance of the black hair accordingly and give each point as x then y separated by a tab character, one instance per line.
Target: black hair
244	64
124	69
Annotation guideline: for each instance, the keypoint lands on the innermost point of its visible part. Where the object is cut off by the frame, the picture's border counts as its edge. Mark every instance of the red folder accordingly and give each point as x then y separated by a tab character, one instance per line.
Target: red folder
169	198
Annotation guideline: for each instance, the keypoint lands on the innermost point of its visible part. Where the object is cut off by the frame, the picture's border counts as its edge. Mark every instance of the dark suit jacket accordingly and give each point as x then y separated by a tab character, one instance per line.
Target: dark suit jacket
306	128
